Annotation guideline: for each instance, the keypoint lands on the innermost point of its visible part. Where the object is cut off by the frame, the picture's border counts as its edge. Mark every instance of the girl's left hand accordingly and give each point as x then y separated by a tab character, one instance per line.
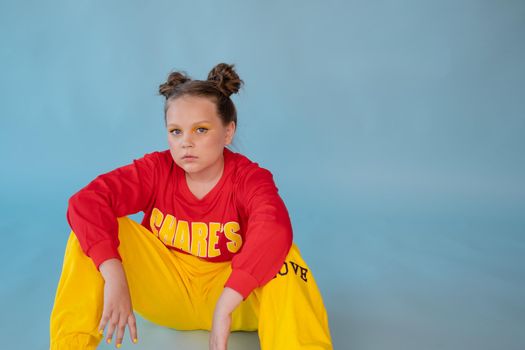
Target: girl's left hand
222	318
220	331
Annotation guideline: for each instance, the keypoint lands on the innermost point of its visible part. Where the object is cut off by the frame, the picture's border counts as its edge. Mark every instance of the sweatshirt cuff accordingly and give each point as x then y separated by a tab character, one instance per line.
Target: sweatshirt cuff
103	251
242	282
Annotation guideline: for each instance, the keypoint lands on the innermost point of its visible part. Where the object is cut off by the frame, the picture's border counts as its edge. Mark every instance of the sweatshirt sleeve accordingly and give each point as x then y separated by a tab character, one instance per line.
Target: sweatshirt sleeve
93	211
268	235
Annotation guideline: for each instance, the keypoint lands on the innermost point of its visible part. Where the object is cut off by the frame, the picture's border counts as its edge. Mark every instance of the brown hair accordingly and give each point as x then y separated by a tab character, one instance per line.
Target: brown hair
222	82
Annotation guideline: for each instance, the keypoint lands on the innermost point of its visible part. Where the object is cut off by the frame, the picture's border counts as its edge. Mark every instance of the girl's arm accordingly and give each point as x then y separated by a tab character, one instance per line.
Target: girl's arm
222	318
268	235
93	211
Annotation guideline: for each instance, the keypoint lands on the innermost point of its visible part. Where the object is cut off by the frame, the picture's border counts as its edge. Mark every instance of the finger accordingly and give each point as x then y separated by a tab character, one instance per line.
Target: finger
103	321
132	325
112	324
120	332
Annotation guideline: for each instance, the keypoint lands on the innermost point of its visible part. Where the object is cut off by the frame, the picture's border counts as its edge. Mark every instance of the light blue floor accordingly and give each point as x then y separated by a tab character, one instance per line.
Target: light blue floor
454	285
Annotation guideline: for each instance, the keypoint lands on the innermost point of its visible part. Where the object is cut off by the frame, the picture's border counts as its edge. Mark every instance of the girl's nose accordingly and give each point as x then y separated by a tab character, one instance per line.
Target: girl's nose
187	140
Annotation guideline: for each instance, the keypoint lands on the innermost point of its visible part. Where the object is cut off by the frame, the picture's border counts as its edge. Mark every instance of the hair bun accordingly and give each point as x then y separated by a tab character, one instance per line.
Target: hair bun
174	79
226	78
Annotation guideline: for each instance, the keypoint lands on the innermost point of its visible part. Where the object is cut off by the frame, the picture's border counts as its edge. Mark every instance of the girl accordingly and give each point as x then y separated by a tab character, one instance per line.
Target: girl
214	250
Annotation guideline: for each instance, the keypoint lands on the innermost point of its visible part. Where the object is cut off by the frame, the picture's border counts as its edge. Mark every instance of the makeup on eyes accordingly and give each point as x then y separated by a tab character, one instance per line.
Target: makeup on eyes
204	126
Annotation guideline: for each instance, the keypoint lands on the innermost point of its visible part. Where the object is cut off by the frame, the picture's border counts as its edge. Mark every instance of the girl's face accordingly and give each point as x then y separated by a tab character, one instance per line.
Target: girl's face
197	136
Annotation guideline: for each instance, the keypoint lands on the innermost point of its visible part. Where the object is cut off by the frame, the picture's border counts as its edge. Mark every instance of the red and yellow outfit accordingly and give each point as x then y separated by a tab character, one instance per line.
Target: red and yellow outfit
185	251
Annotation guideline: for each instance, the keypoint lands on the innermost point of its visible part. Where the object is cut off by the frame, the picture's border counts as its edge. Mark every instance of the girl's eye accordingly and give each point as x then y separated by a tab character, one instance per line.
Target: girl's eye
202	130
175	131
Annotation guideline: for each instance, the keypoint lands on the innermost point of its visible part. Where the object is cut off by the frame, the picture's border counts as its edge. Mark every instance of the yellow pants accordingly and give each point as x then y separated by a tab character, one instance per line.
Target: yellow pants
180	291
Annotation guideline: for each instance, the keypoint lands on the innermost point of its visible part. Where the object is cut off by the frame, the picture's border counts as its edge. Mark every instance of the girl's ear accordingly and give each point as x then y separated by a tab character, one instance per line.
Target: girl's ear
230	132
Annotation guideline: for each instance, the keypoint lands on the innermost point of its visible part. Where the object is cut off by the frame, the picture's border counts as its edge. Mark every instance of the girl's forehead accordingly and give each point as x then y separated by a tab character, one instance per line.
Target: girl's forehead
189	107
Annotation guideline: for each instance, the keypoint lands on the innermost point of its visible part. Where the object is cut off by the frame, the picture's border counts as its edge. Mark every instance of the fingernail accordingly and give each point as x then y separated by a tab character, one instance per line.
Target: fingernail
135	340
100	331
108	341
118	346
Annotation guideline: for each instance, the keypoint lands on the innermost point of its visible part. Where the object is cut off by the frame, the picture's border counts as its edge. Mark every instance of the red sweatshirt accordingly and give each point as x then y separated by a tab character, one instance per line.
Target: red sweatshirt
242	218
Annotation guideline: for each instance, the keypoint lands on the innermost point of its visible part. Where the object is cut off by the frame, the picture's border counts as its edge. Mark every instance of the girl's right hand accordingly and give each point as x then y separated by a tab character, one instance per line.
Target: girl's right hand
118	310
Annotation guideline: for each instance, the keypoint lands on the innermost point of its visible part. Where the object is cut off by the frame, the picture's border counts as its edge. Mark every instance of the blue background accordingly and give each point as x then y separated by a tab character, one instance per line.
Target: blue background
394	130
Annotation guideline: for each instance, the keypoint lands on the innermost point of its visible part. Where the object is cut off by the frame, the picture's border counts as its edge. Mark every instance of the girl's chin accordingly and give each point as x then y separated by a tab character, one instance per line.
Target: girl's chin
190	168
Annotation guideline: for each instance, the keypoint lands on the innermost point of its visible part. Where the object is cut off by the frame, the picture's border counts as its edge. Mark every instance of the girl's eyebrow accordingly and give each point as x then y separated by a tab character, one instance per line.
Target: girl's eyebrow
199	122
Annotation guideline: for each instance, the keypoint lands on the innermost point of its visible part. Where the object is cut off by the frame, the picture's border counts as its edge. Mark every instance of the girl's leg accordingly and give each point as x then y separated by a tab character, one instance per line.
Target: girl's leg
292	314
160	288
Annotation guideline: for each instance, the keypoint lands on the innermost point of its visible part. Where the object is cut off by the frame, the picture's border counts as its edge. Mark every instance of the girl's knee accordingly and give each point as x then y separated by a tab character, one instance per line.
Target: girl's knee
125	222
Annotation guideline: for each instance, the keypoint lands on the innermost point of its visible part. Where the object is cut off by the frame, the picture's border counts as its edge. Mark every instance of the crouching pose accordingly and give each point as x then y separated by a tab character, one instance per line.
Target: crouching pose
214	250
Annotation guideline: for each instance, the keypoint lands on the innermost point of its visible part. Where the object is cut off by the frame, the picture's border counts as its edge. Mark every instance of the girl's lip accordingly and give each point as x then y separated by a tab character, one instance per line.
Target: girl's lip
185	157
